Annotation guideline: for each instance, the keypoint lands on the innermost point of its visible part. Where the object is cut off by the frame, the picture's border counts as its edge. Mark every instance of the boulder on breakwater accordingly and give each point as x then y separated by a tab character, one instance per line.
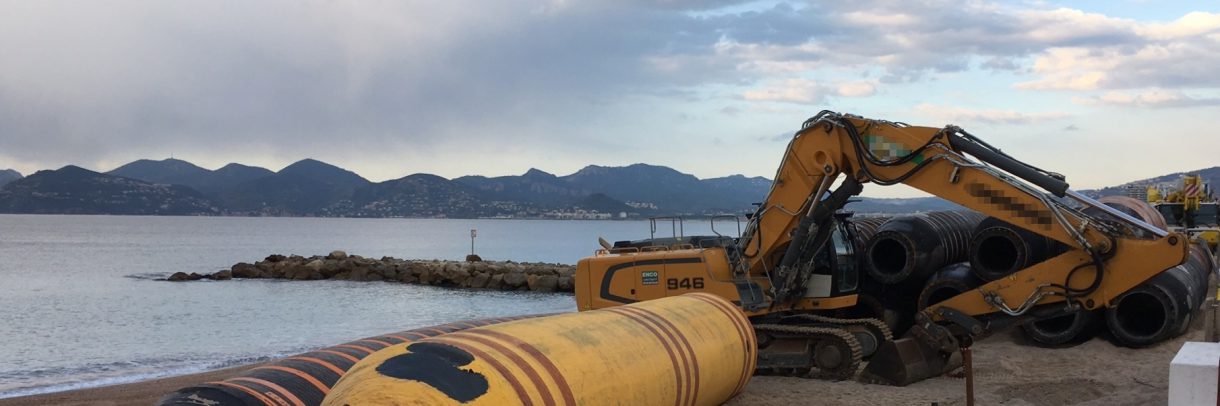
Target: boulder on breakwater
497	275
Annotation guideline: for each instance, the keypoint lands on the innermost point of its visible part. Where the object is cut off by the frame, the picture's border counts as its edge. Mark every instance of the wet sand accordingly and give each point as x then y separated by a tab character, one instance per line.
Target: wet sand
1008	371
138	393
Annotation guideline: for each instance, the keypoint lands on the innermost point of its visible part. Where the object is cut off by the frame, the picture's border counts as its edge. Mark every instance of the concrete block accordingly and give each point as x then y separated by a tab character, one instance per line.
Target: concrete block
1193	374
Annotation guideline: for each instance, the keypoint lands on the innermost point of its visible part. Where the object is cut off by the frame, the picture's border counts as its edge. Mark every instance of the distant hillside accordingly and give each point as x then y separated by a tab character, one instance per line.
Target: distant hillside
653	189
74	190
1210	176
179	172
896	206
307	187
418	195
8	175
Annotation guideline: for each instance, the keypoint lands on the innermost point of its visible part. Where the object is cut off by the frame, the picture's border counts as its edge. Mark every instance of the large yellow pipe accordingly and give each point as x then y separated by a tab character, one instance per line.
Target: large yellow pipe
695	349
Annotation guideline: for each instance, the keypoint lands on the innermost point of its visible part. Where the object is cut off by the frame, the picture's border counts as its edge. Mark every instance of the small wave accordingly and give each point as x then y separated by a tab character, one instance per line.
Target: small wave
51	380
149	276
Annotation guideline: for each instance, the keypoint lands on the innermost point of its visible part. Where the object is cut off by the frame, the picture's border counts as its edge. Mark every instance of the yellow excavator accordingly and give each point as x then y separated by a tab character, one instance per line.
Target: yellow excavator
793	265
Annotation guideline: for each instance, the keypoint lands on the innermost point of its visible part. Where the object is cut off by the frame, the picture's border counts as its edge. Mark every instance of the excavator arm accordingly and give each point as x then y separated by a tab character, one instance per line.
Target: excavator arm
1108	254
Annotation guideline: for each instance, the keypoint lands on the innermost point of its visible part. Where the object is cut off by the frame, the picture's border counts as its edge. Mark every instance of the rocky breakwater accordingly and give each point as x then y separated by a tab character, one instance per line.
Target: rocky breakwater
497	275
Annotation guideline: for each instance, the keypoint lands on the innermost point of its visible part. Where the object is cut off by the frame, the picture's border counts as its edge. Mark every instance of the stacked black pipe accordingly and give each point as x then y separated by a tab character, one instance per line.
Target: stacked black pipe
905	253
998	249
1163	307
913	246
868	303
946	283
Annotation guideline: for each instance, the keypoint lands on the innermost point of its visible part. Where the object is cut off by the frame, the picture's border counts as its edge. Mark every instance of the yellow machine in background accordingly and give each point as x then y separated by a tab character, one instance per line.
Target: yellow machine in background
1190	209
794	264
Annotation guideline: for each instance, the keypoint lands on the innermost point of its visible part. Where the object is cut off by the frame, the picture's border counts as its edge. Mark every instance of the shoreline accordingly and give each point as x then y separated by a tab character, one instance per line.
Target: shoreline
144	392
1008	368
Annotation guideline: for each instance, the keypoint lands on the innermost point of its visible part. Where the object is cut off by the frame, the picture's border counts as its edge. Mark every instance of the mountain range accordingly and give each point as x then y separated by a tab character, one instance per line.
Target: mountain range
313	188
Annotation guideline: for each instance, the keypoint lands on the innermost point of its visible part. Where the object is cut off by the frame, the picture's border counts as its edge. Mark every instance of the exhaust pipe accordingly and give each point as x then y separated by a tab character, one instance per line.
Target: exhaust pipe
915	246
998	249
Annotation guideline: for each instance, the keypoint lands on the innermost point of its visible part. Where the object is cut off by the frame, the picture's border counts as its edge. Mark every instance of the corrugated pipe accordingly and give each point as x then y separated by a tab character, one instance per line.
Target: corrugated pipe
306	379
864	228
1162	307
998	248
948	282
916	245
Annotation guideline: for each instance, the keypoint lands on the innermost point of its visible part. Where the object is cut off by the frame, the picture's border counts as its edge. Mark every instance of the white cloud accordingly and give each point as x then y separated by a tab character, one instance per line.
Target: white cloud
966	116
1150	98
789	90
808	91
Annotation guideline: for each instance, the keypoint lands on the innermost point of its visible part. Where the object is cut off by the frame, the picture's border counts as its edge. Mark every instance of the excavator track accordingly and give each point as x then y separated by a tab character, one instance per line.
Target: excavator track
877	326
835	355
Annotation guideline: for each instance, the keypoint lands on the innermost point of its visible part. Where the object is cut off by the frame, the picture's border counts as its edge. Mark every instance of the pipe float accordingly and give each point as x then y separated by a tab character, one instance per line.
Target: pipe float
1162	307
305	379
948	282
694	349
914	246
998	248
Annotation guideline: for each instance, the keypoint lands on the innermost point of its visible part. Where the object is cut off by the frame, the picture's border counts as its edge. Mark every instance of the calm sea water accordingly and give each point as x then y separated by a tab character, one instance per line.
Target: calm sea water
80	306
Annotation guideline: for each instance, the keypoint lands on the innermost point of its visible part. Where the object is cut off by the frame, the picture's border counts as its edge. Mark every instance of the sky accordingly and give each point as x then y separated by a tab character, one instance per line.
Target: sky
1104	92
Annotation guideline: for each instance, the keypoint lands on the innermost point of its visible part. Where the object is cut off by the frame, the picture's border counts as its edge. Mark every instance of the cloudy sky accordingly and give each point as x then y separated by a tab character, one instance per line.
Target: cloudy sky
1102	91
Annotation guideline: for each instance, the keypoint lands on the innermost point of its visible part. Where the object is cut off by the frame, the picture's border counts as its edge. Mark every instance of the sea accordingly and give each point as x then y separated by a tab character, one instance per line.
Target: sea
83	302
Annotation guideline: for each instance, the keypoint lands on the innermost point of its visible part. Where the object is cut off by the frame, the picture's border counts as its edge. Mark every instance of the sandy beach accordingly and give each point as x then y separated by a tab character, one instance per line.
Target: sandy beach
1008	371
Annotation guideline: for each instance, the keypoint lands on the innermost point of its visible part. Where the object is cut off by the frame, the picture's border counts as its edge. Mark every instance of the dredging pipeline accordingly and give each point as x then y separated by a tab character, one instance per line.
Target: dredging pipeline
998	249
948	282
1162	307
695	349
916	245
306	379
863	229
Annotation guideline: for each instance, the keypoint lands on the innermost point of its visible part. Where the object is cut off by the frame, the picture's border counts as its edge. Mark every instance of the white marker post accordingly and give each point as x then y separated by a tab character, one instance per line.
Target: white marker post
473	233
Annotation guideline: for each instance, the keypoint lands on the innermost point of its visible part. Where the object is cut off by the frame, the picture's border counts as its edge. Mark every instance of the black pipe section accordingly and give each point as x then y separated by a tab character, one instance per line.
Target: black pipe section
305	378
1056	186
1162	307
916	245
863	229
947	283
1073	328
998	249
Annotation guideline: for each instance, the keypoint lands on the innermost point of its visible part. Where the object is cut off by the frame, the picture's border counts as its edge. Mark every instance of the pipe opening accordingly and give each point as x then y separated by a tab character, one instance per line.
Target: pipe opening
997	254
889	256
1141	314
1056	324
